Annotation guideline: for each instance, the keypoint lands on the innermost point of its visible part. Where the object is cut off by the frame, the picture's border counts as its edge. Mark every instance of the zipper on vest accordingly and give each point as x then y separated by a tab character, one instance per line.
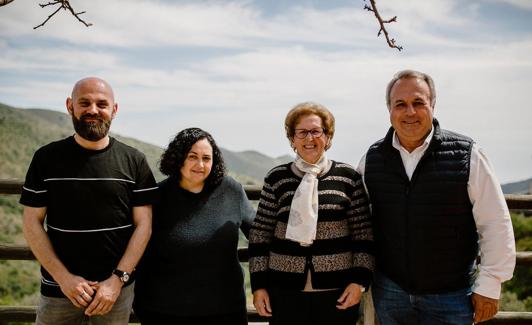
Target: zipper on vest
407	234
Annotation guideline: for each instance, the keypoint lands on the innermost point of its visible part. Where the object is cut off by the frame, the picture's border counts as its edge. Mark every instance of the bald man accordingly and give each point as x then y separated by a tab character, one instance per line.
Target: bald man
95	194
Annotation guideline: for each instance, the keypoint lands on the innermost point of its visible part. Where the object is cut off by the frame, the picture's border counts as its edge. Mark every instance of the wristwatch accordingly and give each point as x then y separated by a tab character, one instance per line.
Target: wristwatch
122	275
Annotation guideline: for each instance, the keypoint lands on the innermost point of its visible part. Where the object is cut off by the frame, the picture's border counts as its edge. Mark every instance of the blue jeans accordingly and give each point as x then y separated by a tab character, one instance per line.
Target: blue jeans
61	311
395	306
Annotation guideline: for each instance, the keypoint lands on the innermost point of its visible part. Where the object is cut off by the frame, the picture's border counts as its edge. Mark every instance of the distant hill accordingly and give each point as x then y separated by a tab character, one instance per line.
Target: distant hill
22	131
522	187
252	163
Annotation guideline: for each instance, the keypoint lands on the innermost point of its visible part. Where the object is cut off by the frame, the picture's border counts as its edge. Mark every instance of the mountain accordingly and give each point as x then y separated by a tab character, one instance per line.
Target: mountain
522	187
22	131
252	163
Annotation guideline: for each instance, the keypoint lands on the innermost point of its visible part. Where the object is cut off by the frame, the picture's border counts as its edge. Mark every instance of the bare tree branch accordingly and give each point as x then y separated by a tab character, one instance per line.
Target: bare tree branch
373	8
4	2
65	5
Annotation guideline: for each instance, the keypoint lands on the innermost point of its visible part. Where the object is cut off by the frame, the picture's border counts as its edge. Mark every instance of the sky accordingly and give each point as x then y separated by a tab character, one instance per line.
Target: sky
235	68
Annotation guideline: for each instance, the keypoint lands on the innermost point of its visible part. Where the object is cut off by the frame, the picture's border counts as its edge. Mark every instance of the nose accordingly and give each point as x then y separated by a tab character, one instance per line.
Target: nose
92	109
410	110
309	134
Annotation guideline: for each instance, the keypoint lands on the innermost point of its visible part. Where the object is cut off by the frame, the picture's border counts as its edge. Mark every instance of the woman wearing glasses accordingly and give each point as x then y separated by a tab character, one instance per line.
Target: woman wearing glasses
311	244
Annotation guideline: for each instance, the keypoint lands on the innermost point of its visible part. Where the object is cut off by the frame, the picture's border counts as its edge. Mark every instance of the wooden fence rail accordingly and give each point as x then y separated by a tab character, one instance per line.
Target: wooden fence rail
27	313
515	202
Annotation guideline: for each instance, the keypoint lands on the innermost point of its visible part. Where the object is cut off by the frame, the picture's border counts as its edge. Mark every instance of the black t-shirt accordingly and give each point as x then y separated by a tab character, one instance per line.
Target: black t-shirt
89	196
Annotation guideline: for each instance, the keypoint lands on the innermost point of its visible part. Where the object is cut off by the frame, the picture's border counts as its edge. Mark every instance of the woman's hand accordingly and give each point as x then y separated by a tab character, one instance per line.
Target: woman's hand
351	296
261	301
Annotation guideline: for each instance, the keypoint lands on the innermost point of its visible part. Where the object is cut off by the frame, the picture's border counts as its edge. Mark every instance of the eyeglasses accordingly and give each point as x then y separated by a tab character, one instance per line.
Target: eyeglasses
303	133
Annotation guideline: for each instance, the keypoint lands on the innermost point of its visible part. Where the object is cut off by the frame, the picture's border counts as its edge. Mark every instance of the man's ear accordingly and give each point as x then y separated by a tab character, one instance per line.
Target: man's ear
115	110
70	105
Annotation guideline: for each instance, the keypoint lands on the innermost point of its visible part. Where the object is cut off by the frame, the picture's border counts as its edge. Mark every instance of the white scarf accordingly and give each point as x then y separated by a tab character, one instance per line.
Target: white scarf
303	218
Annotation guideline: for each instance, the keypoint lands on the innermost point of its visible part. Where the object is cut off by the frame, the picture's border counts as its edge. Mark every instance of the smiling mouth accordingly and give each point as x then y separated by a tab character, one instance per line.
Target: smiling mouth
91	118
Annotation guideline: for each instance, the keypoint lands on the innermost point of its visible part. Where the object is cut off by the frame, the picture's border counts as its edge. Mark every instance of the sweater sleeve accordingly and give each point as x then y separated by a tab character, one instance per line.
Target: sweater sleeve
247	213
260	236
361	232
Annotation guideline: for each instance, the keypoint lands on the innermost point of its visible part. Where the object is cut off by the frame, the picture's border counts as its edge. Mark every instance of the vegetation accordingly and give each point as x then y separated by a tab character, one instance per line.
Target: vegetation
517	293
22	131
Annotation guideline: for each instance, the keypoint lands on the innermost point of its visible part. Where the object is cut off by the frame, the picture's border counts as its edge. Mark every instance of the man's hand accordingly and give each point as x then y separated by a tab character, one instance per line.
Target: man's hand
485	308
350	297
107	293
78	290
261	301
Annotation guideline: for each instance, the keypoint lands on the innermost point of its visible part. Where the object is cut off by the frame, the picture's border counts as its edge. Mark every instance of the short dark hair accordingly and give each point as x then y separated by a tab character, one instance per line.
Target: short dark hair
175	154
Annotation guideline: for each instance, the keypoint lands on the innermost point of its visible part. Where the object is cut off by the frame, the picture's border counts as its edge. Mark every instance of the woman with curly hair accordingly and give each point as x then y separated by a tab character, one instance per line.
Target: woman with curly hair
190	273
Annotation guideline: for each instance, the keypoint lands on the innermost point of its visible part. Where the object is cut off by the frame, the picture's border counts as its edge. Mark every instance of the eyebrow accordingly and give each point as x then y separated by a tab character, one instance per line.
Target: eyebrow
98	101
195	153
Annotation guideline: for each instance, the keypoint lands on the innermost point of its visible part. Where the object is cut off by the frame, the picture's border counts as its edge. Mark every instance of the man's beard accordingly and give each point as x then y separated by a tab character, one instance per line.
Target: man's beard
93	130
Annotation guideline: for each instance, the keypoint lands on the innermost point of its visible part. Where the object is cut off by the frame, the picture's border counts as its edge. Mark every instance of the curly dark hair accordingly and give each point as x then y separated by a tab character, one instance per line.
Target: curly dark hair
175	154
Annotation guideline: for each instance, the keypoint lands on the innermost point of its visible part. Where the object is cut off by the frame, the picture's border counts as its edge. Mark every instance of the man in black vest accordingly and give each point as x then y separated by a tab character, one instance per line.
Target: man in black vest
436	205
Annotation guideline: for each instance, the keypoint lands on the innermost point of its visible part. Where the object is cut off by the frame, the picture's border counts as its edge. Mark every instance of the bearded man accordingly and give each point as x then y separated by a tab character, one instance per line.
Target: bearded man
95	194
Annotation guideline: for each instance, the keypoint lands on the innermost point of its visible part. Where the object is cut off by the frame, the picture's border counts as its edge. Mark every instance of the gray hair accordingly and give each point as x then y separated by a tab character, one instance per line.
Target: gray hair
406	74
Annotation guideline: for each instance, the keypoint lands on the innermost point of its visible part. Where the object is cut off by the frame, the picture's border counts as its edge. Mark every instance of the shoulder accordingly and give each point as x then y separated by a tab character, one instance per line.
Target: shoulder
128	152
447	135
230	184
119	145
55	147
376	144
344	169
278	172
165	183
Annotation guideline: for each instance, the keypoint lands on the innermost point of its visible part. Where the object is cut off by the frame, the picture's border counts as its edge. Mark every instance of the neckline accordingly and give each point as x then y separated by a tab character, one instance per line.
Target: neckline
333	164
91	151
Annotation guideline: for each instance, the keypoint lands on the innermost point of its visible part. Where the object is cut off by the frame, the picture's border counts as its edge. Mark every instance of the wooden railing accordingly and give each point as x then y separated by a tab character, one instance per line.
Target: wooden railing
27	313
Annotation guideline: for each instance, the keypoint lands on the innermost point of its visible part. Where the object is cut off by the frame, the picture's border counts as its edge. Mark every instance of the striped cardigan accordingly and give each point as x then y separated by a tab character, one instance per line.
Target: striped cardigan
342	252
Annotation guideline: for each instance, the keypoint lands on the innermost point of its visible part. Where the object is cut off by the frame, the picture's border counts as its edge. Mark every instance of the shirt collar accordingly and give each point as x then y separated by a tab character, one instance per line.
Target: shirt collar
397	145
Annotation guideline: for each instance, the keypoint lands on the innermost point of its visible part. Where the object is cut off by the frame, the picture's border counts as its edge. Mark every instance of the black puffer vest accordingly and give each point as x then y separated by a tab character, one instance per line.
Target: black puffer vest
424	229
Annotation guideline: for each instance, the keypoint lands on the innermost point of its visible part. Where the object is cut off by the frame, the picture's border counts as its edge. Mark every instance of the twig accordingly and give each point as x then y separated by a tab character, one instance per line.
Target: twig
44	22
4	2
65	5
373	8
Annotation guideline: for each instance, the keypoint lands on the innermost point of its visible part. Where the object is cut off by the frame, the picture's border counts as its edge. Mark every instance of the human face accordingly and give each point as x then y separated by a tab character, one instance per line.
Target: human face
197	165
411	111
92	108
310	148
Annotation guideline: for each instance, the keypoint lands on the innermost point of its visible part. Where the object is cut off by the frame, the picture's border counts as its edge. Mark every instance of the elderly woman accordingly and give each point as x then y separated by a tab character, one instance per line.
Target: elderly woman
311	244
191	273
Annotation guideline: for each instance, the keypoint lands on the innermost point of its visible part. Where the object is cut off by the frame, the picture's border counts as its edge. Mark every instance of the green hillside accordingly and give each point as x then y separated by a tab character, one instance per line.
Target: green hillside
22	131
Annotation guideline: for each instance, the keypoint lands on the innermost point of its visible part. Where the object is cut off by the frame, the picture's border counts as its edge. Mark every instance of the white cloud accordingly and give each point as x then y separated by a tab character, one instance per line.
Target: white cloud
421	12
521	4
275	60
124	23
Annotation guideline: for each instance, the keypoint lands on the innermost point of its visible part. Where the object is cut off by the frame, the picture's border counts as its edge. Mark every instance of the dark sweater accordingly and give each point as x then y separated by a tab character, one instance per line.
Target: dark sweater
191	266
342	252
